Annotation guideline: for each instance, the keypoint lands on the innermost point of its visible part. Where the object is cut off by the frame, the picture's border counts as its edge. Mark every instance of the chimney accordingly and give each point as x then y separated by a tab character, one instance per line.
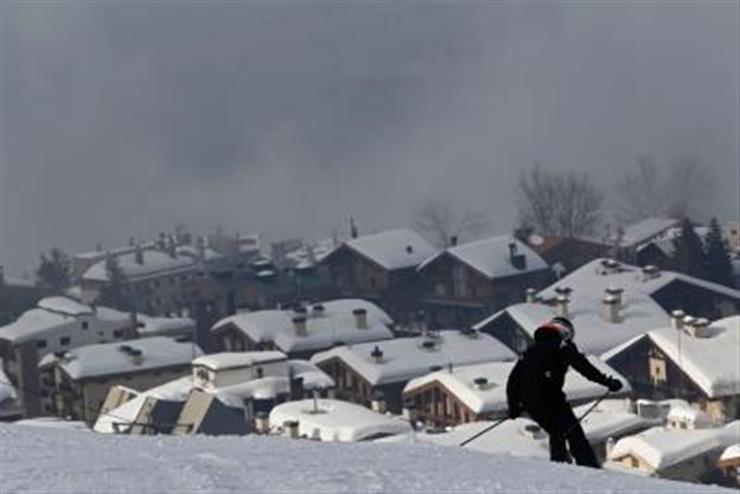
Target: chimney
611	307
352	228
136	356
688	321
290	427
318	310
299	324
138	254
360	318
453	241
700	328
677	319
531	296
377	355
615	292
480	383
261	423
650	272
561	305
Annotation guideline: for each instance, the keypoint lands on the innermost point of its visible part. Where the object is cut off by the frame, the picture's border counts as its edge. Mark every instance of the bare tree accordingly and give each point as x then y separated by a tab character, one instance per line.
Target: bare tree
564	204
440	220
677	191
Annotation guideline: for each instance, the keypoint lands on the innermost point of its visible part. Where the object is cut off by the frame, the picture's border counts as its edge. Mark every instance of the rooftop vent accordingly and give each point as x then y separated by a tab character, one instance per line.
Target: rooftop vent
561	304
377	355
531	296
700	328
650	272
615	292
429	345
611	307
299	325
318	310
480	383
677	317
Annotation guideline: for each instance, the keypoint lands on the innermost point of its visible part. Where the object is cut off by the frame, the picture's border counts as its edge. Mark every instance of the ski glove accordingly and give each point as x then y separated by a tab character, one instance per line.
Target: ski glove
613	384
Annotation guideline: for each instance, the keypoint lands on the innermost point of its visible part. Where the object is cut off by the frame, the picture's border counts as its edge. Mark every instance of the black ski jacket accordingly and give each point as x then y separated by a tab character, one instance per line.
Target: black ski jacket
536	381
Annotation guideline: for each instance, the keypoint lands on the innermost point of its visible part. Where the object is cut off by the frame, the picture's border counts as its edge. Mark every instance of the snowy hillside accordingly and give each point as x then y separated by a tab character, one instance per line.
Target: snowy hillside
55	460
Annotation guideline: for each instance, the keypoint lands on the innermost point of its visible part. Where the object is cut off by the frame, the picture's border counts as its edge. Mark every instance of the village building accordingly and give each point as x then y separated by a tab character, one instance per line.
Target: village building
302	331
466	282
10	408
182	328
693	359
334	420
17	295
729	465
630	238
381	267
56	324
477	392
157	282
676	454
227	393
564	254
75	383
610	303
375	374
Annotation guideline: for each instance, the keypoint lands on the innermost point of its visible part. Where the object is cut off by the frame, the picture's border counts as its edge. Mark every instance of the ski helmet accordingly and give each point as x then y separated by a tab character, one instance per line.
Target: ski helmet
566	328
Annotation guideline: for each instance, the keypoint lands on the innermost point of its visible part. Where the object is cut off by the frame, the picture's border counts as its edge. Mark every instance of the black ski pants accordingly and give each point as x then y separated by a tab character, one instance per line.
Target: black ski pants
558	420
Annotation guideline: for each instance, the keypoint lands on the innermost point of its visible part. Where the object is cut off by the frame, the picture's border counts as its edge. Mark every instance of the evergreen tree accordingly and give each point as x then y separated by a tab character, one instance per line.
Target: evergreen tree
717	256
115	291
54	271
689	252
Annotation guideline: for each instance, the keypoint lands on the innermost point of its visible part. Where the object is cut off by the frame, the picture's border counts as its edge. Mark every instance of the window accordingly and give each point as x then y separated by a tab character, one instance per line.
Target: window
85	325
40	344
260	373
64	340
118	333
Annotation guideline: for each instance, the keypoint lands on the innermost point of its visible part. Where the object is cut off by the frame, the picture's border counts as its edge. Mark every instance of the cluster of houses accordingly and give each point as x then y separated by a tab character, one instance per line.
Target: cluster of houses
383	337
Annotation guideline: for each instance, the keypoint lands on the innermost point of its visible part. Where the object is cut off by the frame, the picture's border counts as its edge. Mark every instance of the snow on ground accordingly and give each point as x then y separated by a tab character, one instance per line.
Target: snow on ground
51	460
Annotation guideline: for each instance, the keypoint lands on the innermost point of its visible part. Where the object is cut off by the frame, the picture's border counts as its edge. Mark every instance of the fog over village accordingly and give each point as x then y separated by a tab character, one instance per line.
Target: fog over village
253	228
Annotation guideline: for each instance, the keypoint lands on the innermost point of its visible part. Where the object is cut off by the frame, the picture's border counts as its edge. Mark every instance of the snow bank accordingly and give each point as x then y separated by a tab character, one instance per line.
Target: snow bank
47	460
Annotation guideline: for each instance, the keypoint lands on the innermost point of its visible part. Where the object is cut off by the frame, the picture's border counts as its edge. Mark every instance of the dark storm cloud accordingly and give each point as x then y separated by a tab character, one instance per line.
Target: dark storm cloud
285	117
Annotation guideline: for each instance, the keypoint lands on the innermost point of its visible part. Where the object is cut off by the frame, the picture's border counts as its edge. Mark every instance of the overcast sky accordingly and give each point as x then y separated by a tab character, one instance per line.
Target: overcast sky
284	118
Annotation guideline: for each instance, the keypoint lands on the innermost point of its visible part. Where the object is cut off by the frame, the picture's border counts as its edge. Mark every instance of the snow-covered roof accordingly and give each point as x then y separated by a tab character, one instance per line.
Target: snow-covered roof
163	326
666	241
602	423
50	314
126	413
193	252
731	453
712	361
230	360
154	263
393	249
336	323
64	305
404	359
270	387
118	358
310	253
492	258
491	397
54	423
646	230
335	420
687	414
521	437
640	312
661	448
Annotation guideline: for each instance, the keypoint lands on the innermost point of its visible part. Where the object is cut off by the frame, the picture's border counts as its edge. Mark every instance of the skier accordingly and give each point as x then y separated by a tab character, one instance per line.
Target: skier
535	385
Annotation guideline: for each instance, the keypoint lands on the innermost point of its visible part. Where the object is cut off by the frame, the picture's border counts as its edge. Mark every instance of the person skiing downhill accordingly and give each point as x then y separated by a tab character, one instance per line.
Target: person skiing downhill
535	386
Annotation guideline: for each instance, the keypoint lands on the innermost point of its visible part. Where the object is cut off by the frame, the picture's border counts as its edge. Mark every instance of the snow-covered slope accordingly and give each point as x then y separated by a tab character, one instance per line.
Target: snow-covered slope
50	460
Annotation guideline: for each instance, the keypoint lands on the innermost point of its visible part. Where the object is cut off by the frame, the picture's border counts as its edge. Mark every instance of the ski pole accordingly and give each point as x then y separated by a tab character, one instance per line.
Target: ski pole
492	426
586	413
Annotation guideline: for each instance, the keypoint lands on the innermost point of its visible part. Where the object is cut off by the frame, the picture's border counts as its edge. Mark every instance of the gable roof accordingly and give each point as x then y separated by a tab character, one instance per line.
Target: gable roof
154	263
115	358
492	258
491	397
646	230
406	358
640	311
711	362
392	249
660	448
335	324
